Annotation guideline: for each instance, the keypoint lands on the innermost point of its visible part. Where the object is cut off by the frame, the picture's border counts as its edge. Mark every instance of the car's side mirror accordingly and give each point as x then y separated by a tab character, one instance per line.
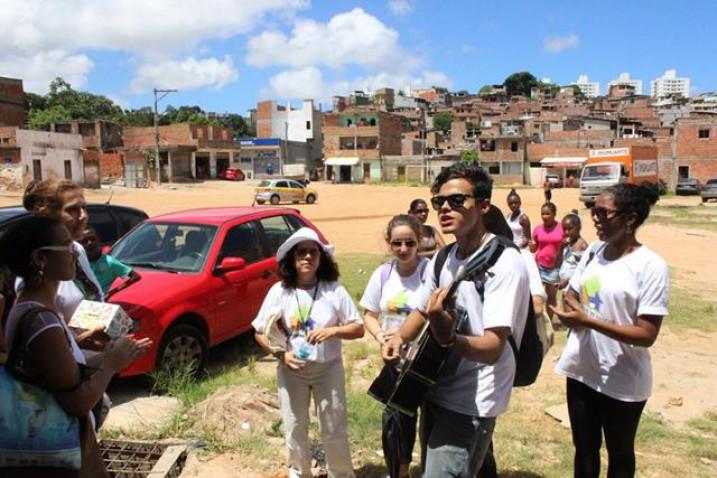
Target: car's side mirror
230	264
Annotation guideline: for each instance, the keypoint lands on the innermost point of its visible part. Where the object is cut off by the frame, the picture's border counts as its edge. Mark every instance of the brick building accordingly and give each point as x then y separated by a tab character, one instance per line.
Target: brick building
355	142
696	147
12	102
101	141
186	151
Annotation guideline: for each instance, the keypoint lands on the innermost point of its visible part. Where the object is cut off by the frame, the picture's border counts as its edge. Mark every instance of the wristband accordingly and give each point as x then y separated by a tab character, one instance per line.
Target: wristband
450	343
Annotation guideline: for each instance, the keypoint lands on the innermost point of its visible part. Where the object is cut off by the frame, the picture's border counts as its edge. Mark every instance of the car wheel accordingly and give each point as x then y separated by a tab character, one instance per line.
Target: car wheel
275	199
260	201
310	199
182	347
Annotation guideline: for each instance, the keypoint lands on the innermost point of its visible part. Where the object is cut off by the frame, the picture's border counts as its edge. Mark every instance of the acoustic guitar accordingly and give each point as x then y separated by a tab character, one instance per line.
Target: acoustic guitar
404	388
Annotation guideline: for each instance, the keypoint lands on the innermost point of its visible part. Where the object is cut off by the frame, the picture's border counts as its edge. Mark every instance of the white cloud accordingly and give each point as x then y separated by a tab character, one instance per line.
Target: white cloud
350	38
400	7
187	74
38	70
309	82
42	40
556	44
133	25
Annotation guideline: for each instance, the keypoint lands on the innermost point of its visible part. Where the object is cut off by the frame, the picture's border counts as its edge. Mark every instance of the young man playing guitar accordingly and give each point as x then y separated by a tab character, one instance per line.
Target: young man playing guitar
460	410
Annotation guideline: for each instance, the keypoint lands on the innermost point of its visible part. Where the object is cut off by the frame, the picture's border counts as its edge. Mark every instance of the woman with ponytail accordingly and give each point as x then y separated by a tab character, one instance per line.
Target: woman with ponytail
615	305
518	221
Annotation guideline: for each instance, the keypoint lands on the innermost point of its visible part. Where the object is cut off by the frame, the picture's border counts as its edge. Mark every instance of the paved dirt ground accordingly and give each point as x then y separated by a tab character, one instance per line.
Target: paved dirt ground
353	217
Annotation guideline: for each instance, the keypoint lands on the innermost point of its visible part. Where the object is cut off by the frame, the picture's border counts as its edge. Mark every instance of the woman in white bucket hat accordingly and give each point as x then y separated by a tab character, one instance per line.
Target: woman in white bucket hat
314	312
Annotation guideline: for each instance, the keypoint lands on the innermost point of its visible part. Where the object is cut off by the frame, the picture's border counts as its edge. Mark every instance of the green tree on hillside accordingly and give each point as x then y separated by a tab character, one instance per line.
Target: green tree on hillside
470	155
442	121
520	83
485	89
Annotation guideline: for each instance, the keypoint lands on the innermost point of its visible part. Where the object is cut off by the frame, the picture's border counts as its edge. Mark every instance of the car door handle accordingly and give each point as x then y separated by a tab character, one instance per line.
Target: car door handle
265	274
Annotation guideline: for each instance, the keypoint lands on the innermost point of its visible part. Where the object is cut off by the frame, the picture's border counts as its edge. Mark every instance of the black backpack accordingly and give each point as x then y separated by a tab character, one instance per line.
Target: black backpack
529	355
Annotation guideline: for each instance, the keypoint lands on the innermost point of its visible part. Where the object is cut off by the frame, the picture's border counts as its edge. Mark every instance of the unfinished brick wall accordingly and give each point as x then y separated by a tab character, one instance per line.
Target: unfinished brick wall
143	137
12	102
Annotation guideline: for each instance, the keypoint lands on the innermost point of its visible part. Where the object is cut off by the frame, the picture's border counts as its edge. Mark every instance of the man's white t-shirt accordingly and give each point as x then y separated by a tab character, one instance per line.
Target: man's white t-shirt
392	299
618	292
480	389
536	283
332	307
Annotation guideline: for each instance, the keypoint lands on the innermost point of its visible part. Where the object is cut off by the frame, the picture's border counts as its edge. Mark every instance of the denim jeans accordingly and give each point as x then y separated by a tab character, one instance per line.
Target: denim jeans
453	444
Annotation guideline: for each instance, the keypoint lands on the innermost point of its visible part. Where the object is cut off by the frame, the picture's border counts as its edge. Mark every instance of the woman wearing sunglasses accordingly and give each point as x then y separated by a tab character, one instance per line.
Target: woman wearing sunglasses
317	313
615	304
64	201
390	289
42	350
431	239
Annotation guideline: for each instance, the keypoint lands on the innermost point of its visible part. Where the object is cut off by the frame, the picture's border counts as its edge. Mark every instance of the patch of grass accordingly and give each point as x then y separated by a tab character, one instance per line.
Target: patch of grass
691	217
689	309
356	269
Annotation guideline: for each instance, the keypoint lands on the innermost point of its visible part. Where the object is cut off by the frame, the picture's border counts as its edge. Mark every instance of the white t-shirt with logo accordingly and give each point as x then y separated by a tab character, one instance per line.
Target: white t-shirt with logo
332	307
615	291
392	299
480	389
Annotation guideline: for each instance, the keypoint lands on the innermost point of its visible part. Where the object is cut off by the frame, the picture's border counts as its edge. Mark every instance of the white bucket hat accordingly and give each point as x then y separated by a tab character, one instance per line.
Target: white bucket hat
303	234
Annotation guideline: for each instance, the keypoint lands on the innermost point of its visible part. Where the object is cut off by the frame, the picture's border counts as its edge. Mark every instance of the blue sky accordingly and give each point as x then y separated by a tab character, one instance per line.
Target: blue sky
225	55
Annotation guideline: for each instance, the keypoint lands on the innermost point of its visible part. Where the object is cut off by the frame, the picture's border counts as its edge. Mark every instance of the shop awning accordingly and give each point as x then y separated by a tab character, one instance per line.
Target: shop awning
569	162
341	161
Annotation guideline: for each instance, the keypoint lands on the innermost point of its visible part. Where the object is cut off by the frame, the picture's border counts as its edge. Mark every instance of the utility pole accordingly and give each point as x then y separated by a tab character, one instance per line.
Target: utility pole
158	163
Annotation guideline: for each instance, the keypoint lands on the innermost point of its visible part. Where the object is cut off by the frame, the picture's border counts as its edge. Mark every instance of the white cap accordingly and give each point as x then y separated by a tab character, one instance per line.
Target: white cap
303	234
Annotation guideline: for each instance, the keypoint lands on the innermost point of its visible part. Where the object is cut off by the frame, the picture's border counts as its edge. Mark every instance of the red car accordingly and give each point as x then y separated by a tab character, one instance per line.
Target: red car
232	174
205	273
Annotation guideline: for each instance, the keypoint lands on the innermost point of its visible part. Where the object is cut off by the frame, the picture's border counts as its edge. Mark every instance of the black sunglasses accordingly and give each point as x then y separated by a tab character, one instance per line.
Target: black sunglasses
454	200
408	243
604	213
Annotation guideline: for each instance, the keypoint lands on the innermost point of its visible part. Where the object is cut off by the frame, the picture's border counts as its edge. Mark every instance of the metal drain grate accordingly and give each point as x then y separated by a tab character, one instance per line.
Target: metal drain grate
142	460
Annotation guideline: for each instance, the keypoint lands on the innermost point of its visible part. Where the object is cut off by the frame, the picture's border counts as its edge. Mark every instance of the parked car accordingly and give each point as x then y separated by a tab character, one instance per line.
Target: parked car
688	187
710	190
284	190
553	180
111	222
232	174
205	273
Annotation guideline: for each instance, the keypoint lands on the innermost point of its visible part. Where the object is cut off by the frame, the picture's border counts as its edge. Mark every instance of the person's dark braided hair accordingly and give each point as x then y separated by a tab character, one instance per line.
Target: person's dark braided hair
630	198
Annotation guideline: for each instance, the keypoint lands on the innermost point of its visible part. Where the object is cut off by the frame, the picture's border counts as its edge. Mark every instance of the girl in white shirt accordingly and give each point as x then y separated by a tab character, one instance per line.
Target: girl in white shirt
617	299
518	221
386	300
317	312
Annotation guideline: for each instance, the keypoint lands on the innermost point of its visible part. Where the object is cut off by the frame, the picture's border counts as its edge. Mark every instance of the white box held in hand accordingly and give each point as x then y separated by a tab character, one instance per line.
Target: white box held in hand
90	315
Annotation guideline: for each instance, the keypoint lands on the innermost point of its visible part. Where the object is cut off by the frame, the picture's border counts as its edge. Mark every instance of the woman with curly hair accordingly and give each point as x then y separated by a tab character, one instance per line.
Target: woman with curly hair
317	313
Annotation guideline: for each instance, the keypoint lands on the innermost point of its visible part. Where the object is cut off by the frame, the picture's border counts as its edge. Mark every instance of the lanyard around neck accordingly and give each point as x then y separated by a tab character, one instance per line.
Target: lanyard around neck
303	319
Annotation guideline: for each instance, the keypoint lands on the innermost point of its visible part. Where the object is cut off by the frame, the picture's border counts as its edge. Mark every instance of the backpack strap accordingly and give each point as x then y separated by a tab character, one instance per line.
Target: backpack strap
441	257
11	364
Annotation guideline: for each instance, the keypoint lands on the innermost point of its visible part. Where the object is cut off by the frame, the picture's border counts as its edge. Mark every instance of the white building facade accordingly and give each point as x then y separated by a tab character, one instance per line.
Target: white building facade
43	155
624	79
670	84
591	89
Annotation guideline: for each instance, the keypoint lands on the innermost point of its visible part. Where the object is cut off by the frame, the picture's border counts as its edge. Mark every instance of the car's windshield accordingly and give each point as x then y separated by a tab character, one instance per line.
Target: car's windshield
264	184
166	246
600	171
712	182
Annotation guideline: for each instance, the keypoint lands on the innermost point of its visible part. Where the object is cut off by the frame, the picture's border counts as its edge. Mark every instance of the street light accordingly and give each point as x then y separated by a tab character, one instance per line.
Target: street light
158	163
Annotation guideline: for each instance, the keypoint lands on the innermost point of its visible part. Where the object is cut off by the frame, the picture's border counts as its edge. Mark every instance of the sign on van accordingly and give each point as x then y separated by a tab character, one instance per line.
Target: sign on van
608	153
644	167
